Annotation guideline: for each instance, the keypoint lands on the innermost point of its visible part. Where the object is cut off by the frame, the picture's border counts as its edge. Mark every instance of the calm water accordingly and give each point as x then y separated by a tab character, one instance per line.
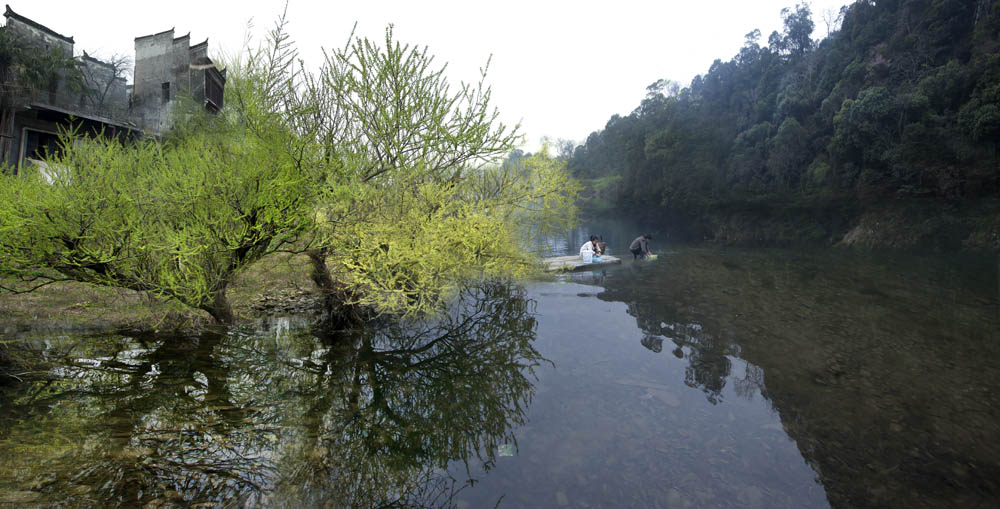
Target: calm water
708	378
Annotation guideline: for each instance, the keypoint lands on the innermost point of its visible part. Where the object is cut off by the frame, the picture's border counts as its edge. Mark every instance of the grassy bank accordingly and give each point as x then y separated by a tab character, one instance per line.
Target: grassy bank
78	306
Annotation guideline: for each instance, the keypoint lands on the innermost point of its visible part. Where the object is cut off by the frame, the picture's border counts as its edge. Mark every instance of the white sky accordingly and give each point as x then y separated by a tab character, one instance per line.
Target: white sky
561	68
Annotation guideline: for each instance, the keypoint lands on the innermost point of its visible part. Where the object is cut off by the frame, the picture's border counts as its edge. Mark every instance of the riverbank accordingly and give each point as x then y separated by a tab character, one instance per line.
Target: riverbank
907	225
278	282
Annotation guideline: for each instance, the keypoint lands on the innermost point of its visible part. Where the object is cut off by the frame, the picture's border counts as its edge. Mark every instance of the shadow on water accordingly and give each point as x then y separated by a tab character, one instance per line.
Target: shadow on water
279	415
883	369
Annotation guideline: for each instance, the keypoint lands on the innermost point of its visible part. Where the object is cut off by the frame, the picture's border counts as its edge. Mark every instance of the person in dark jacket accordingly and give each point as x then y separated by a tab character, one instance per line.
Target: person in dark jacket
640	246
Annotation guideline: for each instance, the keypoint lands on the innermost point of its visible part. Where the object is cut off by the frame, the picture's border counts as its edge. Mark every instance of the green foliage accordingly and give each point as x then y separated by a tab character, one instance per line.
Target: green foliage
389	180
177	220
416	202
980	117
789	152
861	130
400	114
901	100
798	28
407	247
817	173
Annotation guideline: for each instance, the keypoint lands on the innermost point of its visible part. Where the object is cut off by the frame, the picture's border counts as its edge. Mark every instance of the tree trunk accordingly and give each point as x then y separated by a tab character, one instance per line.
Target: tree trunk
219	308
320	272
339	313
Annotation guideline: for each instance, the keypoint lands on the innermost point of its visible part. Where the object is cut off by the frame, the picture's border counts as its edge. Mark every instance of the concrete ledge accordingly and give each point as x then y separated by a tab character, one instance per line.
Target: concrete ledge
574	263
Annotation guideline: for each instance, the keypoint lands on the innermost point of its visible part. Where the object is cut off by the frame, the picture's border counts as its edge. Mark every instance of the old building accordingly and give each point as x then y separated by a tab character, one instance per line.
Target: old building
89	95
94	97
168	69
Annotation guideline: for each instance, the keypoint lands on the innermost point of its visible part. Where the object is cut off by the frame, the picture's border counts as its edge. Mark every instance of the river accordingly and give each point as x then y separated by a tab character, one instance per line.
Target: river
711	377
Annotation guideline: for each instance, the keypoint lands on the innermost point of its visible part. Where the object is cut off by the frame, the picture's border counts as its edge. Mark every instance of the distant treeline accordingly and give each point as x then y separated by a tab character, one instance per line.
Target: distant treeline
901	102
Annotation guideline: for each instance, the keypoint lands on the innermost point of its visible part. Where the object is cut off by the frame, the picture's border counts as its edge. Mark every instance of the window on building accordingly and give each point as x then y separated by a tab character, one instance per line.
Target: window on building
40	144
37	147
166	92
213	90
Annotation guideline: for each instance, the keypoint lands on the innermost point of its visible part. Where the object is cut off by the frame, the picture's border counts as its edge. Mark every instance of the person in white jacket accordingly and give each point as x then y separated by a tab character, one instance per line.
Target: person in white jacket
590	246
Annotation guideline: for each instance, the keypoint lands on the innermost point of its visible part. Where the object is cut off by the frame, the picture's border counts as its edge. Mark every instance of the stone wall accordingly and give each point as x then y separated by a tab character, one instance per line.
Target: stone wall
45	37
154	85
46	40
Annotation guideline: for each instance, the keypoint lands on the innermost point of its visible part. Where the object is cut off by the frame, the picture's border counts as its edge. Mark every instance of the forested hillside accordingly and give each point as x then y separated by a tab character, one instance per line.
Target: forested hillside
883	133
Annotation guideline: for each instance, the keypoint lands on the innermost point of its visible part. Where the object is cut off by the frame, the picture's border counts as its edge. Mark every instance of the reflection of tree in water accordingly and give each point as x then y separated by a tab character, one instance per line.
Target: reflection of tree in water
881	367
709	366
390	408
751	382
652	343
147	420
368	418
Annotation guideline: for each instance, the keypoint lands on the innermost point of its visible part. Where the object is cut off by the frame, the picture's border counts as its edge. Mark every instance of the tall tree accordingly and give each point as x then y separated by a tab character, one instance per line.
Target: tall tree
400	222
899	101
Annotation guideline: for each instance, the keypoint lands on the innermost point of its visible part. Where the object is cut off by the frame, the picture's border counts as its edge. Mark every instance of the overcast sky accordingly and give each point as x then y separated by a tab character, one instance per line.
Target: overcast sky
561	68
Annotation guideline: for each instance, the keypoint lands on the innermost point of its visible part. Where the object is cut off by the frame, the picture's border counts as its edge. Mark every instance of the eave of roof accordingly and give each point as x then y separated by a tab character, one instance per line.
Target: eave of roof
11	14
89	58
103	120
156	34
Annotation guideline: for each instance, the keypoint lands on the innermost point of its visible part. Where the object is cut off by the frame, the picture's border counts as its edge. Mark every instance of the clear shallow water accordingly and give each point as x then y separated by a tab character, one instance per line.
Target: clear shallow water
622	419
709	378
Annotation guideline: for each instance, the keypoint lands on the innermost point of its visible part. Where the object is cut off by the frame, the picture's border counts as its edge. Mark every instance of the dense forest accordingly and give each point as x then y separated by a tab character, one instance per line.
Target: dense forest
882	133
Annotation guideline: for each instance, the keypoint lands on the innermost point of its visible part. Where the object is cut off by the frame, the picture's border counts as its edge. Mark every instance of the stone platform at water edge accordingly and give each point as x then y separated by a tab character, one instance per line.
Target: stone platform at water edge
574	263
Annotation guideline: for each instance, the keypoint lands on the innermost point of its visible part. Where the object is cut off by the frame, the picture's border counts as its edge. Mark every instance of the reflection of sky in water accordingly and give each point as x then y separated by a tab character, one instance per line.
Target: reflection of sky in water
617	424
665	391
882	368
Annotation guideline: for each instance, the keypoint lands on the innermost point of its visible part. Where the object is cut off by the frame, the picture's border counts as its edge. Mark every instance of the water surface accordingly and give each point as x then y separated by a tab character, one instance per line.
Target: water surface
709	378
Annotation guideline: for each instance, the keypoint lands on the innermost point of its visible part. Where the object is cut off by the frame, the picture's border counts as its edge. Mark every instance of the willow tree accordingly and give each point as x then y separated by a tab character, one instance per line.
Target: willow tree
373	166
411	210
177	220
